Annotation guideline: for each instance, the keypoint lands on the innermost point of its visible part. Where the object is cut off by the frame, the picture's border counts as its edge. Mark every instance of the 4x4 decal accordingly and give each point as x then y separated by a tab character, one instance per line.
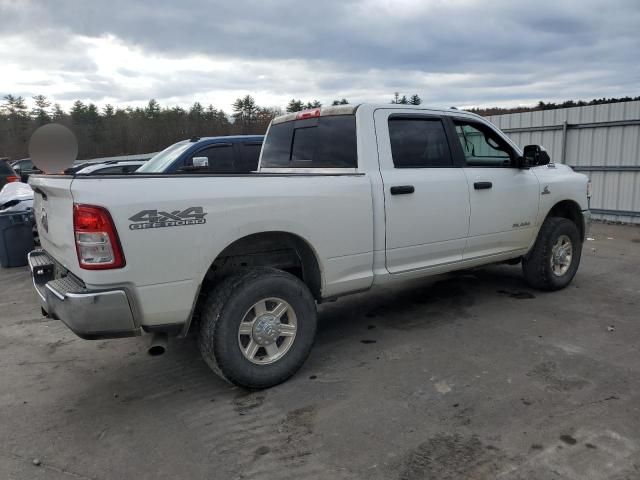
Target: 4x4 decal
178	218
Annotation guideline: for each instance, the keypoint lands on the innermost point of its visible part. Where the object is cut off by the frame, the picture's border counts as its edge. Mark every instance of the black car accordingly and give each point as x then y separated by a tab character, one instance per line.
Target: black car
7	175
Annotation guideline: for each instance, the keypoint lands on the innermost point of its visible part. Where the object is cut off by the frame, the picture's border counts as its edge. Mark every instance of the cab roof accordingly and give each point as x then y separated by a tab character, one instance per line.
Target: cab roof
351	110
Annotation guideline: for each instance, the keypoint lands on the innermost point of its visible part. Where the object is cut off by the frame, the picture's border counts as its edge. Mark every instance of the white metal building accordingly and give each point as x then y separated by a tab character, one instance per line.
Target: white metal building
602	141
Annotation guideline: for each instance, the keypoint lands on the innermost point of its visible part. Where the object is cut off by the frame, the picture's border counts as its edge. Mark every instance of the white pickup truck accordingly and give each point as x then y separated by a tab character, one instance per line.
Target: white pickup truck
344	198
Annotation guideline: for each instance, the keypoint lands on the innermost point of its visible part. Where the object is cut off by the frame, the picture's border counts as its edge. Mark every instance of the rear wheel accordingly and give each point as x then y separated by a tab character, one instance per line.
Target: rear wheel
257	327
554	259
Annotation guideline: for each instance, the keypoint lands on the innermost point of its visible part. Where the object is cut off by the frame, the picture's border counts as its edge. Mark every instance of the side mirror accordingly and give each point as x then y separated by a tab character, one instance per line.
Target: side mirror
199	162
536	155
523	163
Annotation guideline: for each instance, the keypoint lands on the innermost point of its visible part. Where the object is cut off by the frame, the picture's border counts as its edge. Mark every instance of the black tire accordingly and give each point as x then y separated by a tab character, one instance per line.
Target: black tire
536	265
223	311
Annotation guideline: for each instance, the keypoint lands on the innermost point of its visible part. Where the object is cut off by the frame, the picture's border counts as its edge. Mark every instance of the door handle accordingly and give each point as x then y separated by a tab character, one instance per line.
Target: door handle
482	185
402	190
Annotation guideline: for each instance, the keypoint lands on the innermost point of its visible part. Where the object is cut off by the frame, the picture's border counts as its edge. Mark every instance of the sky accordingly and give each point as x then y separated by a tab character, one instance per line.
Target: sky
450	52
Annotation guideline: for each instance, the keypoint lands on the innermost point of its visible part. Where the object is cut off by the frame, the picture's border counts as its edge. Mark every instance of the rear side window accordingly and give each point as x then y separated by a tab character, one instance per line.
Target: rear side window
5	169
322	142
249	155
130	168
419	143
110	170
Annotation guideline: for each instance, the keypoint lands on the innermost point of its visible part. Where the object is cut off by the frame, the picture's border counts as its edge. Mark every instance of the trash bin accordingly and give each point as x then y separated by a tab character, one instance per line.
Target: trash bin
16	238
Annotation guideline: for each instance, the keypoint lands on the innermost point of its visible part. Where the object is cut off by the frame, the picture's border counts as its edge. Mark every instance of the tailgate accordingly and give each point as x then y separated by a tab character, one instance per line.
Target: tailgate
53	211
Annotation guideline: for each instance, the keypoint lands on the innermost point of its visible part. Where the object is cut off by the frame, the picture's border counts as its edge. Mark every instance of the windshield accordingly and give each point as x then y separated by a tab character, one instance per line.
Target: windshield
160	162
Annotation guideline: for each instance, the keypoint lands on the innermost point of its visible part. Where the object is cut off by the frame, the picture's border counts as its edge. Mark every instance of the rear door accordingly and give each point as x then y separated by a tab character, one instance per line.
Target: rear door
504	199
426	194
53	211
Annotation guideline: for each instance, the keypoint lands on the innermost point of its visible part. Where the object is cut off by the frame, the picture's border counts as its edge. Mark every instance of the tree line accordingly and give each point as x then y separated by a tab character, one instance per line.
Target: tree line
111	131
550	106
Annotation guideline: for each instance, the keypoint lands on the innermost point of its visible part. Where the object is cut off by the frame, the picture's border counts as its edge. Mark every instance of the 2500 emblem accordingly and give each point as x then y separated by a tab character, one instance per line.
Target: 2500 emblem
178	218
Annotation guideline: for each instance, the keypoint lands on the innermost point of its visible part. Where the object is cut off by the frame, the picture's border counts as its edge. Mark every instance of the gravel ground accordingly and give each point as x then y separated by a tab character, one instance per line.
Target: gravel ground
466	376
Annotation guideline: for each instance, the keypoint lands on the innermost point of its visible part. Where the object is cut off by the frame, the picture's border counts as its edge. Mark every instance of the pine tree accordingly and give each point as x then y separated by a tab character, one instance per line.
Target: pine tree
415	99
152	110
196	111
93	125
58	113
17	116
108	111
78	112
244	111
15	108
314	104
295	105
39	112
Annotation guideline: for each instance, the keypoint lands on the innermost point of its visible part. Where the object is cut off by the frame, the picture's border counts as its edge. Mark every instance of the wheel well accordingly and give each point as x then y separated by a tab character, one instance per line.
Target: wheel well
570	210
281	250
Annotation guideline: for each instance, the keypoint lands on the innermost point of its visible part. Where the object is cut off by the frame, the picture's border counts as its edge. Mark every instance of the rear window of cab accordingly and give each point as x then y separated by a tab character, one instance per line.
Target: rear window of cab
320	142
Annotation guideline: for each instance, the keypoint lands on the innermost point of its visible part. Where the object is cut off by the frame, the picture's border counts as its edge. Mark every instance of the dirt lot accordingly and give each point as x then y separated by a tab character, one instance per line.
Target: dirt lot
471	375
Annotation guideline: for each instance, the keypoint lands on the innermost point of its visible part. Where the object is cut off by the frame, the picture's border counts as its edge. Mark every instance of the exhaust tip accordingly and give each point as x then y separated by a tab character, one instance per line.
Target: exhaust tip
156	350
158	345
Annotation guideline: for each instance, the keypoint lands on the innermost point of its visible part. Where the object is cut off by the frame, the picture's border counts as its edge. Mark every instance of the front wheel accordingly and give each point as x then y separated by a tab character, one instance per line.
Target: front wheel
554	259
257	327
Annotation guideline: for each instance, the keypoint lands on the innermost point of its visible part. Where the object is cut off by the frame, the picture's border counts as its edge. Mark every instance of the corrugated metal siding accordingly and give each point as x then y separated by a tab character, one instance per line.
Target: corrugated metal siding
590	146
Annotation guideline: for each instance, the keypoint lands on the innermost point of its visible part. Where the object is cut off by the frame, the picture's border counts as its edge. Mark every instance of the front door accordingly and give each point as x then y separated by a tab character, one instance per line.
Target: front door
504	199
426	196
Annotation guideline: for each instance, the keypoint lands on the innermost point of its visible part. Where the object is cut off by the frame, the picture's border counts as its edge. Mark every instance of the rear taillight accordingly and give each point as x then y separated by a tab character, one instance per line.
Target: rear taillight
97	241
12	178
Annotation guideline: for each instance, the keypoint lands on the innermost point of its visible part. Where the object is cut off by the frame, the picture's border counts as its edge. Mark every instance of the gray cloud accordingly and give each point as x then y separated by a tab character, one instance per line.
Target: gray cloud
455	52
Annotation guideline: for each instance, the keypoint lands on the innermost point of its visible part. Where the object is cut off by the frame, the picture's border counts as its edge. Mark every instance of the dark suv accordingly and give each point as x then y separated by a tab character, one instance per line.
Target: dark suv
233	154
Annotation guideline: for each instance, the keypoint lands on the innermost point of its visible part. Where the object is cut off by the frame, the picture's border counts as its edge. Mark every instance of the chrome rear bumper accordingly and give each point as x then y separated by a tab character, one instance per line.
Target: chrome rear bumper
89	314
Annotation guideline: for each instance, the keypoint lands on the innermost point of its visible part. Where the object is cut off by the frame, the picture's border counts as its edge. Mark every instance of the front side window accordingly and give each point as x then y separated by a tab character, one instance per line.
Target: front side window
322	142
119	169
482	146
25	165
220	159
419	143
